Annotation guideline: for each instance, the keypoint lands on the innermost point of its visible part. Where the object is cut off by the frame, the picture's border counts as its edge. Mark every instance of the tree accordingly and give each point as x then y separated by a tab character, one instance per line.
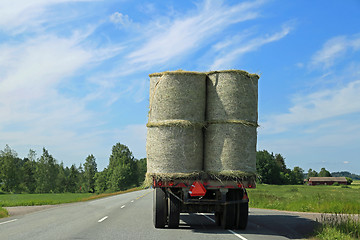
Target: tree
311	173
348	180
324	173
73	180
267	168
297	176
122	168
10	170
142	169
101	181
90	167
46	173
61	180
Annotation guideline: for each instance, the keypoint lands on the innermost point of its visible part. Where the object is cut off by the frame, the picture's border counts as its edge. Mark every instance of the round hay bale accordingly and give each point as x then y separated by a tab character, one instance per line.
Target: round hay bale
230	148
177	95
231	112
173	149
232	95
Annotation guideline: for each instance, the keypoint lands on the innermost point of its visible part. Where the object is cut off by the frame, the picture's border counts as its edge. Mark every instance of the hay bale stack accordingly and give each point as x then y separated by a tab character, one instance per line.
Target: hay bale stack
174	143
230	137
177	95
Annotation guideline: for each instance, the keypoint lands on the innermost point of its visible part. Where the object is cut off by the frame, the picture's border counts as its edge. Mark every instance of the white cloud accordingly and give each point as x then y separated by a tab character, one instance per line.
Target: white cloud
234	52
333	50
20	15
316	106
175	39
120	19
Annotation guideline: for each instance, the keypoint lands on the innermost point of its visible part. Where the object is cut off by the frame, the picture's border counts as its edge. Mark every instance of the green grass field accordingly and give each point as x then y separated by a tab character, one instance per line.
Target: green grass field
303	198
11	200
322	199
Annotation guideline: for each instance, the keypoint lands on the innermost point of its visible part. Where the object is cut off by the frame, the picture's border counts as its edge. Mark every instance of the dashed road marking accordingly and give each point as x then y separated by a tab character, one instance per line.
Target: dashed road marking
9	221
103	219
236	234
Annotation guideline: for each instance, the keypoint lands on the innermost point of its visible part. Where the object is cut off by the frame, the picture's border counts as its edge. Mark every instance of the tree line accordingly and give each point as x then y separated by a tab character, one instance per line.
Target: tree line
271	169
46	175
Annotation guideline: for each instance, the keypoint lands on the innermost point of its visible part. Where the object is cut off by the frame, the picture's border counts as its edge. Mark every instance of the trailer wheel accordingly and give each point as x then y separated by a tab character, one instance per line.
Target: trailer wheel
174	211
242	215
159	208
218	217
242	211
229	215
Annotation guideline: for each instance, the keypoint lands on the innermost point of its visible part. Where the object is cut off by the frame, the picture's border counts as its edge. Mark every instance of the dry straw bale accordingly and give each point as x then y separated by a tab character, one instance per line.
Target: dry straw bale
177	95
230	137
232	95
174	149
230	147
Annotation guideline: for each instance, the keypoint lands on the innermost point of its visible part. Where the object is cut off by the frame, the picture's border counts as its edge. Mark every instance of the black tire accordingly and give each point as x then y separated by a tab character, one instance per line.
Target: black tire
174	211
242	211
159	208
218	216
229	215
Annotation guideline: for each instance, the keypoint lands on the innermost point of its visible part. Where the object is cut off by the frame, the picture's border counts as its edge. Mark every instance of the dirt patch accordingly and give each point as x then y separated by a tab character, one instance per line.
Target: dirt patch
21	210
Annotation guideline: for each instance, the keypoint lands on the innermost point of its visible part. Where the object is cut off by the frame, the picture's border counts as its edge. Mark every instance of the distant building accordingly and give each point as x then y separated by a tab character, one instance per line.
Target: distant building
326	180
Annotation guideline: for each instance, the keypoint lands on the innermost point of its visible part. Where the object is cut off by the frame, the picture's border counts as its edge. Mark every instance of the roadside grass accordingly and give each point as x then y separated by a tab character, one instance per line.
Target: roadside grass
3	213
12	200
342	201
303	198
339	227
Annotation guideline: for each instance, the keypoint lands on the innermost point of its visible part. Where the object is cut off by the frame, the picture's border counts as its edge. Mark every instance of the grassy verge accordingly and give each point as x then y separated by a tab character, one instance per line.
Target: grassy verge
338	227
322	199
303	198
3	213
11	200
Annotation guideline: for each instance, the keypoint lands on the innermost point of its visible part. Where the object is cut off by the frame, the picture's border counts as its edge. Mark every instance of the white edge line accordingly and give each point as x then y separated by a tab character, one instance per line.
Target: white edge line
236	234
103	219
9	221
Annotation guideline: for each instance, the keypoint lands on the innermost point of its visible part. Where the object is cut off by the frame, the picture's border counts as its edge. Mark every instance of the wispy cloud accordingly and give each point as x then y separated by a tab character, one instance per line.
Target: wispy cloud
335	49
317	106
120	20
18	16
178	38
240	45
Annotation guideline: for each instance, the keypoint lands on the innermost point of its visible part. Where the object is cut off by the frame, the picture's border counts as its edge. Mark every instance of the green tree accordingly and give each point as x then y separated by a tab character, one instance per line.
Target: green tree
10	170
46	173
73	179
324	173
61	180
267	168
90	167
142	169
348	180
297	176
28	171
101	181
122	168
311	173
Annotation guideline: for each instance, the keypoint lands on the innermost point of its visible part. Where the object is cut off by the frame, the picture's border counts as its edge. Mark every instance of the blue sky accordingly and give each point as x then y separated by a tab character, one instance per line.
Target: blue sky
74	73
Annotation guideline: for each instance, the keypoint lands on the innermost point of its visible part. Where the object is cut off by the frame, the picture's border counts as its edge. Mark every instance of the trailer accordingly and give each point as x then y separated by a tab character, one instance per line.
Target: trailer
228	200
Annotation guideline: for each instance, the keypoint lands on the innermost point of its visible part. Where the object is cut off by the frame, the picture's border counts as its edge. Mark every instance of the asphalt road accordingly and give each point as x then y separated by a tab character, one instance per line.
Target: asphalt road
129	216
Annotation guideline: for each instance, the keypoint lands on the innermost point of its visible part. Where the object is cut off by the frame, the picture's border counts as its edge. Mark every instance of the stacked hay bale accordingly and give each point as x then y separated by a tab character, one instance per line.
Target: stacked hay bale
174	143
231	112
